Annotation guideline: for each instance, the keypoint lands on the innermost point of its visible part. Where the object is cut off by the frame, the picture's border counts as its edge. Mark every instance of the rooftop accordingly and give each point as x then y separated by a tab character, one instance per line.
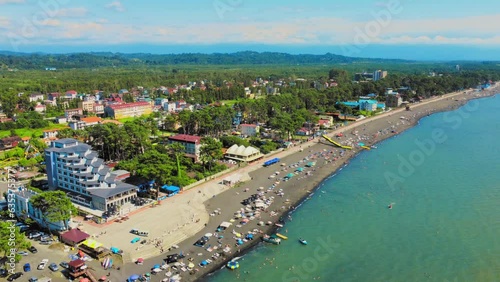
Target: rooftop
186	138
91	119
129	105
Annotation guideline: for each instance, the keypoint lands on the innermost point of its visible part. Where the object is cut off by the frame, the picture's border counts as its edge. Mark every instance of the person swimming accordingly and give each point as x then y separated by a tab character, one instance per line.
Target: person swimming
389	206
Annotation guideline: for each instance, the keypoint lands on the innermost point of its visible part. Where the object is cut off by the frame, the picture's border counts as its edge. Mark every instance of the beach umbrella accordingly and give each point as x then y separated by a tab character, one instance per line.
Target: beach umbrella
203	263
103	278
147	274
156	270
156	266
140	260
209	235
191	265
84	280
131	278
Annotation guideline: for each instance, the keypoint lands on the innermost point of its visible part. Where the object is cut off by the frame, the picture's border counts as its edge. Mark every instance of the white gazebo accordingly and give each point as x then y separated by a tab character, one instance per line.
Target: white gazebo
242	153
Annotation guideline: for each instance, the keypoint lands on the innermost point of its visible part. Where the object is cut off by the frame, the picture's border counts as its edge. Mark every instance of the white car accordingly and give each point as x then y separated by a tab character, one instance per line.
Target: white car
42	264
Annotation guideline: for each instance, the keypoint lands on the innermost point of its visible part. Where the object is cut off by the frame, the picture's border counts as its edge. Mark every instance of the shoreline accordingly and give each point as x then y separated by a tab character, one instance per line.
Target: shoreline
372	131
317	182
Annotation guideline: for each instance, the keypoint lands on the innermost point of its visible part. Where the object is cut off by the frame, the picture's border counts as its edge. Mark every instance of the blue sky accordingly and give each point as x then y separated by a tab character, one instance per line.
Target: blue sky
101	25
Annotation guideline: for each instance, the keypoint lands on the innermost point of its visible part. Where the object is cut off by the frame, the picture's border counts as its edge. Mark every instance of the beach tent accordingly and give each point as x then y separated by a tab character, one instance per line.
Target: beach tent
171	190
300	169
133	277
203	263
225	225
114	250
310	164
93	244
290	175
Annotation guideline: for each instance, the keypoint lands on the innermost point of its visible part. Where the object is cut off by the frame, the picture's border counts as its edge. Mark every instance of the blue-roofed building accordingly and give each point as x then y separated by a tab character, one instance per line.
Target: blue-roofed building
74	168
365	105
368	105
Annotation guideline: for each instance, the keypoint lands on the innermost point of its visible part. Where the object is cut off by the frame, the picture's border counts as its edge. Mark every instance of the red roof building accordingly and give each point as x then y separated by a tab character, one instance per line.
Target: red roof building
73	237
191	143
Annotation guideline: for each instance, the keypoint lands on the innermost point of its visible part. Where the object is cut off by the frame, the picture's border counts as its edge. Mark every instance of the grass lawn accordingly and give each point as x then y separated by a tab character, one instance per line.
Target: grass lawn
229	103
23	132
123	120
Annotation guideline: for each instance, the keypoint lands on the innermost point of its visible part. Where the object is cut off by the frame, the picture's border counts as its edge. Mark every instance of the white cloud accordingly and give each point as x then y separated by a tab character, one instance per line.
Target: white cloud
321	31
51	22
76	12
2	2
116	5
4	22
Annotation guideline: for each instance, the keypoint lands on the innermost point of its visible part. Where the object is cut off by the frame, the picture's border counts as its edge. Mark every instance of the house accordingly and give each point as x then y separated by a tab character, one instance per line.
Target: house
394	100
62	119
52	133
74	167
368	105
70	113
54	96
242	153
249	129
26	140
136	109
70	94
86	106
303	132
170	107
99	109
23	209
50	102
191	143
39	108
35	97
81	123
323	123
9	142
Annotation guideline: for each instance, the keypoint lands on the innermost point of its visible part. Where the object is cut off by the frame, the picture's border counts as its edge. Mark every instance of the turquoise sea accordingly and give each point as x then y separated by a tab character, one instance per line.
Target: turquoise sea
445	220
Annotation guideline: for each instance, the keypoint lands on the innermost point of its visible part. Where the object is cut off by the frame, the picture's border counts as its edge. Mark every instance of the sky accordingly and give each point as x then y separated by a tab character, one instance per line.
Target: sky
384	28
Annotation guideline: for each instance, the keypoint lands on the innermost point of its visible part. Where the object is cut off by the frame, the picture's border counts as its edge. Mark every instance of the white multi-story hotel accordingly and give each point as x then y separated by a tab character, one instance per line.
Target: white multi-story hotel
73	167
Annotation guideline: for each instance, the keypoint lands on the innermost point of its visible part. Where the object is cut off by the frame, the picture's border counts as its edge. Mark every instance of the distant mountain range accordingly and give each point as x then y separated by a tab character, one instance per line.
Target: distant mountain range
103	59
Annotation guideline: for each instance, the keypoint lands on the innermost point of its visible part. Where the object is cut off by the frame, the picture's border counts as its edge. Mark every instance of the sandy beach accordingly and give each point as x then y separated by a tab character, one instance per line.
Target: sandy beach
280	197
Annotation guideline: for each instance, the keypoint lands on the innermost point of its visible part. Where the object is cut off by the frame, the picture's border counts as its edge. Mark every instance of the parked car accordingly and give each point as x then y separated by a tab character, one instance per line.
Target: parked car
33	279
27	267
53	267
42	264
34	234
45	238
33	250
23	253
64	265
3	272
201	242
14	276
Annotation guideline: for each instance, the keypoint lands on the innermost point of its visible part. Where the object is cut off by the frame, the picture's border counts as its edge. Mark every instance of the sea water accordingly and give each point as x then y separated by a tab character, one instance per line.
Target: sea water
442	178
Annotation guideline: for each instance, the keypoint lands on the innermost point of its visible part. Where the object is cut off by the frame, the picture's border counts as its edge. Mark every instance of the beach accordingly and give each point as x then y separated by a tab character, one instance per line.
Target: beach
222	204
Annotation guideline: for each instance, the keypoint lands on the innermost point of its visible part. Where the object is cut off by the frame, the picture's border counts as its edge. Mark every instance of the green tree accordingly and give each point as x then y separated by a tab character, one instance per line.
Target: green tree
11	239
55	206
177	150
210	151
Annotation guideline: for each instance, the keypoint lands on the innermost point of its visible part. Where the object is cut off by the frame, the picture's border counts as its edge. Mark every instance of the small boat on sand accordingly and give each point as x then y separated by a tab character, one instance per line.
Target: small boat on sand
302	241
